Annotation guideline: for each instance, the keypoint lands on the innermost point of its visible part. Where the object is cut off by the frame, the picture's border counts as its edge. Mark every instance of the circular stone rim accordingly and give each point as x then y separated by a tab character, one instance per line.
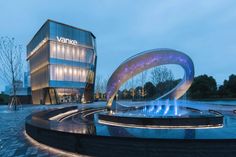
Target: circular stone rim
197	122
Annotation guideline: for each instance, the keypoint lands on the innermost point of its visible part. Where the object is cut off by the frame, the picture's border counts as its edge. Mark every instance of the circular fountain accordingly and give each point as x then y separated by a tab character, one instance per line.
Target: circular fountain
164	126
156	114
161	116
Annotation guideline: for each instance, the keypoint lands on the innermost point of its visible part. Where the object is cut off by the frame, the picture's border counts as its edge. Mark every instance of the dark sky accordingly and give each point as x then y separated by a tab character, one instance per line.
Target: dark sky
204	29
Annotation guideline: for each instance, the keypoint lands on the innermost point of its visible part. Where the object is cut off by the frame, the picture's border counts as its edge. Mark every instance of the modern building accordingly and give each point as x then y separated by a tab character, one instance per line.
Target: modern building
62	63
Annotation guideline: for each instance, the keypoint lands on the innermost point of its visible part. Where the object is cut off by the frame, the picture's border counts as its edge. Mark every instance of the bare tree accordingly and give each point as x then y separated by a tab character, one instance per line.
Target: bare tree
144	78
100	86
103	85
161	74
128	84
11	66
141	80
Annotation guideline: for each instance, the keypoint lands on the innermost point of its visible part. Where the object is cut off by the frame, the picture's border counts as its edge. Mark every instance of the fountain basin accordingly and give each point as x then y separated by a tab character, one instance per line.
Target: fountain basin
165	117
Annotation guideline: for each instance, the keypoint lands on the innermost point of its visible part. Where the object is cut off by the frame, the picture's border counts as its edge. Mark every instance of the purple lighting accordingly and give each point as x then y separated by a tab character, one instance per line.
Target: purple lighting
146	60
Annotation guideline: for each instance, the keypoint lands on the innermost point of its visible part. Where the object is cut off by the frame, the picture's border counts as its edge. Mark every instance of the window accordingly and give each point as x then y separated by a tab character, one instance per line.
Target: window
68	73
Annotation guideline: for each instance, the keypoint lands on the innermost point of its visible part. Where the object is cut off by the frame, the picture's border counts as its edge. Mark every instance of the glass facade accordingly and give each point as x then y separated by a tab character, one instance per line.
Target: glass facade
62	63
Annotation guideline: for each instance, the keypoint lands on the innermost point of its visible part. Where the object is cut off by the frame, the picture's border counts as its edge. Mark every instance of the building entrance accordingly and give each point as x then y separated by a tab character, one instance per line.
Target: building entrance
68	95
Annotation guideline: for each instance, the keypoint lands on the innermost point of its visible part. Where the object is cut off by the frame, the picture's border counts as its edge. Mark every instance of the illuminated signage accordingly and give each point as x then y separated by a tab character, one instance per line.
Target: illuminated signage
67	40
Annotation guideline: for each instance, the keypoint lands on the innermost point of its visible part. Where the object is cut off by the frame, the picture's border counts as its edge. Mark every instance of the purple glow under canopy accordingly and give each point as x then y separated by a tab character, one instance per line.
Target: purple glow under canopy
146	60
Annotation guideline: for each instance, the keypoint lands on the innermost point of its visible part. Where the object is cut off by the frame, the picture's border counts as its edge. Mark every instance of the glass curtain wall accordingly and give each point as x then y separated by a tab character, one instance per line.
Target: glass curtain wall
59	68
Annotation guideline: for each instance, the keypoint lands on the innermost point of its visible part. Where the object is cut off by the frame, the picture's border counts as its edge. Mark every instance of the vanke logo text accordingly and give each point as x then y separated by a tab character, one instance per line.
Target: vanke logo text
66	40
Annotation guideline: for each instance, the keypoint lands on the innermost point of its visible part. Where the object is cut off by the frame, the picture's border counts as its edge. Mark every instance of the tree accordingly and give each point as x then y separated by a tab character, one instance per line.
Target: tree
161	74
100	87
11	65
103	88
228	89
166	86
132	92
142	79
138	93
150	90
126	94
97	86
203	86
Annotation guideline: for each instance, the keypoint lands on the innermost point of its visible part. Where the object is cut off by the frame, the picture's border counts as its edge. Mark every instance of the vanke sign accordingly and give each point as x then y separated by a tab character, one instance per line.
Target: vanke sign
67	40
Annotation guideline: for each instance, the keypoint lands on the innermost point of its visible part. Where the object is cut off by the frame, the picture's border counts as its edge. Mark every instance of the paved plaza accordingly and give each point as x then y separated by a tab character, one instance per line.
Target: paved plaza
13	142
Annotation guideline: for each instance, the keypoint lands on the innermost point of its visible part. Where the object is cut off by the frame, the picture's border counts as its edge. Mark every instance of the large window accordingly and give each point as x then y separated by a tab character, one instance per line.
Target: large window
70	52
70	73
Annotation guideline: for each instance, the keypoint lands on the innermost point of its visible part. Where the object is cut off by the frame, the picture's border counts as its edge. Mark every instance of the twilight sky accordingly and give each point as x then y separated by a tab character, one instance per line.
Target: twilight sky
204	29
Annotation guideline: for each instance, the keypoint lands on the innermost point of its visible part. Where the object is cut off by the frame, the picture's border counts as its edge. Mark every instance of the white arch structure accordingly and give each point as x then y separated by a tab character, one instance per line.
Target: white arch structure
146	60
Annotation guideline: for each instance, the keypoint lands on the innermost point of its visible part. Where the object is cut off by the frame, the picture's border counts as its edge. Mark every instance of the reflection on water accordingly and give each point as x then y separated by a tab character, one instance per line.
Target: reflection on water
166	108
153	111
227	132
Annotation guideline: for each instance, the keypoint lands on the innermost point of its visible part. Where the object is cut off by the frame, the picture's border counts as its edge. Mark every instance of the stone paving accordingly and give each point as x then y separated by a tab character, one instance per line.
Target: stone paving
13	142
